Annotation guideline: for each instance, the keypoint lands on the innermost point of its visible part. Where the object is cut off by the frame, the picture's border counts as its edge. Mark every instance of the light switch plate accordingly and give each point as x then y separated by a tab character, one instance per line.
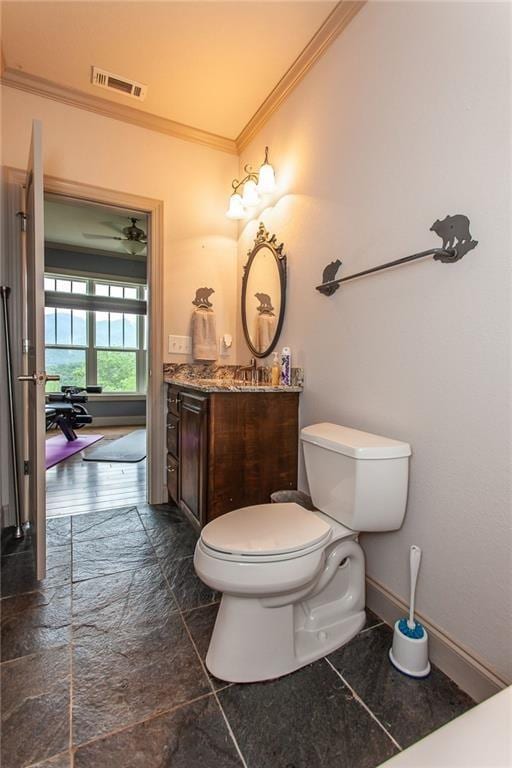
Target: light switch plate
180	345
225	345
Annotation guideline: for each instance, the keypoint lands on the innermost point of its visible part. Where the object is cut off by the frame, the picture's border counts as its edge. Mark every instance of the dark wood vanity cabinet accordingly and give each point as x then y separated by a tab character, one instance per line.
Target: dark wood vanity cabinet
193	452
229	449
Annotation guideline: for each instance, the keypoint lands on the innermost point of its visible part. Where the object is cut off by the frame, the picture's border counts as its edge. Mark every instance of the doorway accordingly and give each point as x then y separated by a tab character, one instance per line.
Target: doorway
15	184
96	341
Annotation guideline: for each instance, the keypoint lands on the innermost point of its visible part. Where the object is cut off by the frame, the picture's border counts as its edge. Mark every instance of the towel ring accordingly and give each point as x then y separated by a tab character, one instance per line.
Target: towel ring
202	299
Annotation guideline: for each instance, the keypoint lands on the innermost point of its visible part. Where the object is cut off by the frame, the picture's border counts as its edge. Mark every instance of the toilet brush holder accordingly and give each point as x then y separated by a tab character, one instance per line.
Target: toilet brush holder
409	652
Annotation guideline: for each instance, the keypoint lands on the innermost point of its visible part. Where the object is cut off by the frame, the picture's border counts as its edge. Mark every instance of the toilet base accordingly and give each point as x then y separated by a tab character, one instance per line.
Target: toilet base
254	640
312	645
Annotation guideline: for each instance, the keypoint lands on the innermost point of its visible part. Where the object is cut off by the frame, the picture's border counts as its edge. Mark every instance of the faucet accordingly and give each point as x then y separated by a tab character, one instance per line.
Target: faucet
252	368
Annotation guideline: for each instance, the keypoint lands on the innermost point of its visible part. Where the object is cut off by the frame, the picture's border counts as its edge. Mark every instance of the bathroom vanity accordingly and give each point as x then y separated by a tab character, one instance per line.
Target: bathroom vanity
229	445
232	441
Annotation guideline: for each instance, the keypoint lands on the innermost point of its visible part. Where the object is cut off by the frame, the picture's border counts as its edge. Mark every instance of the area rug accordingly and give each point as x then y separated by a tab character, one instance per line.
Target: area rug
130	448
58	448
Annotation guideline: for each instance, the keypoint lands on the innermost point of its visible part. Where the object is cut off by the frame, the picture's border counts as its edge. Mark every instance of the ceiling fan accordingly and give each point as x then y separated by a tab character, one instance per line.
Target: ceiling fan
134	240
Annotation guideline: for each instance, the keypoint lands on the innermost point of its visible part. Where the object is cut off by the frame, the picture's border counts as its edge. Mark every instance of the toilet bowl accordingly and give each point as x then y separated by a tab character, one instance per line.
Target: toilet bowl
293	580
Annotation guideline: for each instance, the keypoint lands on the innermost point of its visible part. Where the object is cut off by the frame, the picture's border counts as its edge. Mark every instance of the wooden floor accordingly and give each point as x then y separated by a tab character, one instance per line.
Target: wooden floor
75	487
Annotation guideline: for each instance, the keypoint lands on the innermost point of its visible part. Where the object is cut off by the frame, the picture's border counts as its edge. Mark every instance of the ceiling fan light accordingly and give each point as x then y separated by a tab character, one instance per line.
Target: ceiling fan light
134	246
236	210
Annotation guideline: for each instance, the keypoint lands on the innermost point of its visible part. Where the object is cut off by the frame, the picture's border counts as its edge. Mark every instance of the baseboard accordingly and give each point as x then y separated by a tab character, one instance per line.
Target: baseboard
468	672
121	421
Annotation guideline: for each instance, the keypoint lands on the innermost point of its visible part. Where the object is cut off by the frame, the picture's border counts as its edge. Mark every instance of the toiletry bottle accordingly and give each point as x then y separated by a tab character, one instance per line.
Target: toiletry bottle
276	370
286	367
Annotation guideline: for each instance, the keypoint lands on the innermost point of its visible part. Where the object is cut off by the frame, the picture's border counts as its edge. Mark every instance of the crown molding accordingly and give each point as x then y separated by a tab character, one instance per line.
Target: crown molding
24	81
333	26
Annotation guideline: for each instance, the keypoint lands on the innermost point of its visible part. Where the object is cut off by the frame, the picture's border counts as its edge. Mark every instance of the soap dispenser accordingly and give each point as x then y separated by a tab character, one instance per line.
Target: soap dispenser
286	367
276	371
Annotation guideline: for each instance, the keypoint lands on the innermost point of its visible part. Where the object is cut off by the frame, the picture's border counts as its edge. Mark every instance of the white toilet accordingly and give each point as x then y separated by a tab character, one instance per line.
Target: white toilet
293	581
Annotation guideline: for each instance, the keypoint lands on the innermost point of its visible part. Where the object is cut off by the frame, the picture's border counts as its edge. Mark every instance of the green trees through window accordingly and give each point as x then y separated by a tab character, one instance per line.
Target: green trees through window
69	364
92	347
117	371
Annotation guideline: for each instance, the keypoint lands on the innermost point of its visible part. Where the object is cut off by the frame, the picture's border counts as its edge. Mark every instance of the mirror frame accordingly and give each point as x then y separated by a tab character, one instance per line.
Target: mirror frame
265	240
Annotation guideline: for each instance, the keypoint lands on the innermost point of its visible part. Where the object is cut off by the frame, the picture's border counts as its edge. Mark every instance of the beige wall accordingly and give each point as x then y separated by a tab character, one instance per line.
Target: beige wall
406	119
193	182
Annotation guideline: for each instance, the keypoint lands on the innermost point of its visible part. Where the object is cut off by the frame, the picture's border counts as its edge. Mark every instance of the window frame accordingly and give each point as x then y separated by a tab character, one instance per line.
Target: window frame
91	350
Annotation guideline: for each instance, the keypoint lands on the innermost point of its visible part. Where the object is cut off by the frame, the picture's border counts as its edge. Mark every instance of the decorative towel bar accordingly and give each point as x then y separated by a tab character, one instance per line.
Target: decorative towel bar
202	299
451	228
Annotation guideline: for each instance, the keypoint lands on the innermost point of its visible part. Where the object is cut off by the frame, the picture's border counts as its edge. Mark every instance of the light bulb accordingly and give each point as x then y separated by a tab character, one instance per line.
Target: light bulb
236	208
251	196
266	178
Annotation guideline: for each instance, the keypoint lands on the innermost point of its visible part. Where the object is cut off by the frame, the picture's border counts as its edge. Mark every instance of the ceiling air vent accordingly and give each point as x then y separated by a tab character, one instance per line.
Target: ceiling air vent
112	82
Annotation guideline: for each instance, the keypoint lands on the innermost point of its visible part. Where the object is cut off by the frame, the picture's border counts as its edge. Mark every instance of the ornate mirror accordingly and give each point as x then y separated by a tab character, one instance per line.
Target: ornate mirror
264	293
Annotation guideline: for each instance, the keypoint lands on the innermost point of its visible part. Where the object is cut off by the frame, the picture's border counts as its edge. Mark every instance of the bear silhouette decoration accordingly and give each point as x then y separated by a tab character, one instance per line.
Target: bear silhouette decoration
202	297
330	270
265	302
452	228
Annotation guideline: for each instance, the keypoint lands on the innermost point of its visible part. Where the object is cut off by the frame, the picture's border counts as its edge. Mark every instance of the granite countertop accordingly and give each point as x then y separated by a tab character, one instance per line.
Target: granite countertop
225	385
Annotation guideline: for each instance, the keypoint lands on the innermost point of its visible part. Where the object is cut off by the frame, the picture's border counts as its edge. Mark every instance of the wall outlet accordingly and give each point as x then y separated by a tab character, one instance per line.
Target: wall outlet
180	345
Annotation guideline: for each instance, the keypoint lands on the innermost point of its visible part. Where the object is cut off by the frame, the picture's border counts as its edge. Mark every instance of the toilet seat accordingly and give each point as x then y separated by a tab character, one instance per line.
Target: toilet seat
266	532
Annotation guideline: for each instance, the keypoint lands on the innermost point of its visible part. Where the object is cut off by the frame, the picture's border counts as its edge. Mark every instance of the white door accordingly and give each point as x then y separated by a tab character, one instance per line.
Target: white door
36	378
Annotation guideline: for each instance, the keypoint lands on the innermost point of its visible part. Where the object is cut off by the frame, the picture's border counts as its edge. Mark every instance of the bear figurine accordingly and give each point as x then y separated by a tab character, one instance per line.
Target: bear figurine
265	302
330	270
452	228
202	297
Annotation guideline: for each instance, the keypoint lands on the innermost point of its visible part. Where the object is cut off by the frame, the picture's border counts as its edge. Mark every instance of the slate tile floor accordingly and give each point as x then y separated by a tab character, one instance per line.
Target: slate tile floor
103	666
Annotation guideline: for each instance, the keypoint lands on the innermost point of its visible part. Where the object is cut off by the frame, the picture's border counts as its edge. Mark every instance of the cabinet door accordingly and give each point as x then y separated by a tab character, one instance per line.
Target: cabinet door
193	440
172	434
173	400
172	478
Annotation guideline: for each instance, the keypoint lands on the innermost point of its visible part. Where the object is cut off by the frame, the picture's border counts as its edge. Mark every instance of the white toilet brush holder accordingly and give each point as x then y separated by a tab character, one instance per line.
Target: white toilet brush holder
409	652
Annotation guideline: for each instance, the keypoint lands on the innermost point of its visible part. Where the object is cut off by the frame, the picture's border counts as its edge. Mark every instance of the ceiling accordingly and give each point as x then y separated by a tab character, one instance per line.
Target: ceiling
209	65
67	222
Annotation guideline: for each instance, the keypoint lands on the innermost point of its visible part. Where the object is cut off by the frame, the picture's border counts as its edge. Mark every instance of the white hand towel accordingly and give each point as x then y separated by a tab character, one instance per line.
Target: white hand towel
204	335
265	329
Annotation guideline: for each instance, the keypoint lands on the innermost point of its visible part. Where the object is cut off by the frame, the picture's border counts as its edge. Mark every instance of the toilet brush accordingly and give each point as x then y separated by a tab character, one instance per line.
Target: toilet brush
409	653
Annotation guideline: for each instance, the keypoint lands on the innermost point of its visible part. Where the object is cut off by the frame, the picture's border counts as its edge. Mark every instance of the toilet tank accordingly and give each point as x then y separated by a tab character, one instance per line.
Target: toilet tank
357	478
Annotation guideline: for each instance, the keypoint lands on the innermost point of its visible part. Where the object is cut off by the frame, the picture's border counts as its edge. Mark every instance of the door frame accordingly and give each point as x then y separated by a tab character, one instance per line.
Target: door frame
155	396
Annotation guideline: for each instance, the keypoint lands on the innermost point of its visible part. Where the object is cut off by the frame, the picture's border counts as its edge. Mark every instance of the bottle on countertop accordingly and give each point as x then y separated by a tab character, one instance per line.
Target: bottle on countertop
276	371
286	367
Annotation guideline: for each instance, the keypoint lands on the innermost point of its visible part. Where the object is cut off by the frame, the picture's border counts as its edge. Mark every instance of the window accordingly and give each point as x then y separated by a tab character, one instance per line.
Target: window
66	334
92	346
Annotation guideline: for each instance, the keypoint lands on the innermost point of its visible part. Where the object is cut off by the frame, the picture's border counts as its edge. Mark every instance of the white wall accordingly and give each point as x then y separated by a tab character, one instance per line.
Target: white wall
406	119
193	182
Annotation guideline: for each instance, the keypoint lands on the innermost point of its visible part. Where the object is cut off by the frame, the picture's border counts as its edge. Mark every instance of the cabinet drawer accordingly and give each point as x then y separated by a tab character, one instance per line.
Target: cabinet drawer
173	400
172	434
172	478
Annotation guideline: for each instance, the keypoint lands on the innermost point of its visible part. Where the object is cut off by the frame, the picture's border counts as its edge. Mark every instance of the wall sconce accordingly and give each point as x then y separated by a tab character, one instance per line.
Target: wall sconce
254	186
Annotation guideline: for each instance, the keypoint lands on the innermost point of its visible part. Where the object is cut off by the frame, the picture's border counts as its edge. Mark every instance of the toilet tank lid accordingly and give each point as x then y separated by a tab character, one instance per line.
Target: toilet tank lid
353	442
